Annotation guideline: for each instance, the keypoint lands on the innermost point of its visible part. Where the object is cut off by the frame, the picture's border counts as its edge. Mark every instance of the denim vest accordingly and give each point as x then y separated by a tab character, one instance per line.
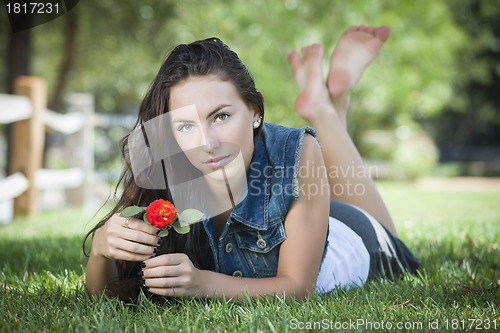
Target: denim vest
249	243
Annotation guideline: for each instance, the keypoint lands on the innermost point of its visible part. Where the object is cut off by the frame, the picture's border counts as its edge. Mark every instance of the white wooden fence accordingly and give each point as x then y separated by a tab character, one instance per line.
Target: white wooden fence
27	112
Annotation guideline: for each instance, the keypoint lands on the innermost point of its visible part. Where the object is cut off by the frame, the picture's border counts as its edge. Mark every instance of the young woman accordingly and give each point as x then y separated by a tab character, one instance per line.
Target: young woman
302	217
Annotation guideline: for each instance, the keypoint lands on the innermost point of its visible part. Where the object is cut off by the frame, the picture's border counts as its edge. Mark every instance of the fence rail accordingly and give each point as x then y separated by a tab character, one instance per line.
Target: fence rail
14	108
27	113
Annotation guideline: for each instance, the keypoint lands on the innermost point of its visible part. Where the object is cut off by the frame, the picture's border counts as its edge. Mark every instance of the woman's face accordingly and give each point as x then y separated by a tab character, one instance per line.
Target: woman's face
213	125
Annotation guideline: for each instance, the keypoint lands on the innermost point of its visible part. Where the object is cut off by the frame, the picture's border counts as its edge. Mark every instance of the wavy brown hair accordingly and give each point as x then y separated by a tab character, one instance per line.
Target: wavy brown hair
200	58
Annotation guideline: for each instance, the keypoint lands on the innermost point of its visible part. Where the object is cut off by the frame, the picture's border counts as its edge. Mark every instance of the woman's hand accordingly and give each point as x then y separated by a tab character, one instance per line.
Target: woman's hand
133	242
173	275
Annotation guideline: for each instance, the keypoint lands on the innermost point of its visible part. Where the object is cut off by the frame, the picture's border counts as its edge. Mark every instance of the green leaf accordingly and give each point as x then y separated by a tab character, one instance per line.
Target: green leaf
180	229
163	232
145	218
190	216
132	211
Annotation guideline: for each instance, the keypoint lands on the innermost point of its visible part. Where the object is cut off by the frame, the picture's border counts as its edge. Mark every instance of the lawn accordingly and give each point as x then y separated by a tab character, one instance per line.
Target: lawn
456	235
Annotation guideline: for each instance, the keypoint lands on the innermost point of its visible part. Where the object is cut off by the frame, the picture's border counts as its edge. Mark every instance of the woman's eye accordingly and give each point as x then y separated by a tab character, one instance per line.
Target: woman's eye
185	128
221	117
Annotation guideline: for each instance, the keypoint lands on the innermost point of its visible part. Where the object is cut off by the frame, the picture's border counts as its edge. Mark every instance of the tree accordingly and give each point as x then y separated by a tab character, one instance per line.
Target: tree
17	63
416	77
468	128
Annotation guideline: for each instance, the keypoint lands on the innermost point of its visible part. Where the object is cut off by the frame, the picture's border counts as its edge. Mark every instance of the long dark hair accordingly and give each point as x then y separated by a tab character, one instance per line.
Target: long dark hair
200	58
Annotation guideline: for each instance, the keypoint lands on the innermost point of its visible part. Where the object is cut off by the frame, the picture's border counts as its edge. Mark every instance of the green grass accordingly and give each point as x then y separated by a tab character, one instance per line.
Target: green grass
456	235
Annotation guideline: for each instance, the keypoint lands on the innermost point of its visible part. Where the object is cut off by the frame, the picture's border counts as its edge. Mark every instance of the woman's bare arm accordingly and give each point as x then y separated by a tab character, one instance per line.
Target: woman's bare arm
113	243
300	254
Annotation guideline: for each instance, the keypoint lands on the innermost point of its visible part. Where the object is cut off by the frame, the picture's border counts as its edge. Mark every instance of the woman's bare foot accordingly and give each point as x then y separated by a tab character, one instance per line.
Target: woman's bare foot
307	71
355	50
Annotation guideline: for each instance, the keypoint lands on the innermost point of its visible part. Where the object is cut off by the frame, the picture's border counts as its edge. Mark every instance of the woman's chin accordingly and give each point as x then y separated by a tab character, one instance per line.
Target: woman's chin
229	173
216	174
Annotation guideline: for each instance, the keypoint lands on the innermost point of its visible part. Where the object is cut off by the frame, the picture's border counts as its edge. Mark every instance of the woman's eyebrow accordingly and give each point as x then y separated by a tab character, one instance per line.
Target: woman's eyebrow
179	120
217	109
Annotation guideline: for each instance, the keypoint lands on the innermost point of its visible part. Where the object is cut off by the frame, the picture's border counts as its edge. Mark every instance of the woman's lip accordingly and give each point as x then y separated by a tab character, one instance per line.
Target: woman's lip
217	161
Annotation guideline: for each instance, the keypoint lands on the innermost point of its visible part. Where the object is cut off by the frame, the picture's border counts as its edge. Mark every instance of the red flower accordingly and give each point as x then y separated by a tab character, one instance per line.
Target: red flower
161	213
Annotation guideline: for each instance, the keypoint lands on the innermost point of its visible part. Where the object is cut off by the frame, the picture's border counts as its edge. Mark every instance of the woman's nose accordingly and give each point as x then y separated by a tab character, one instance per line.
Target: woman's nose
210	140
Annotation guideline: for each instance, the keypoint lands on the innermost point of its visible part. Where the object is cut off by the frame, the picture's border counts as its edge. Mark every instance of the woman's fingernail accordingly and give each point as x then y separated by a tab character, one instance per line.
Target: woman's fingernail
158	231
141	273
142	281
156	250
142	265
160	241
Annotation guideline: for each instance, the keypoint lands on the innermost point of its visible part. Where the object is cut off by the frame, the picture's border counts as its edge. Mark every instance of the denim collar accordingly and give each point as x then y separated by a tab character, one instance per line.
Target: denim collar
252	211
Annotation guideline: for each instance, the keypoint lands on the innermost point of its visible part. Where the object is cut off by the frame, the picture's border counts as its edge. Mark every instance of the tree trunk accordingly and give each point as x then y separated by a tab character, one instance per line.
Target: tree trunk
69	52
18	57
18	63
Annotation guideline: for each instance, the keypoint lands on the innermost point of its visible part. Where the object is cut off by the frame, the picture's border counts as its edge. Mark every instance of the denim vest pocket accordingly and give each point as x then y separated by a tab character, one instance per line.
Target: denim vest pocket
261	248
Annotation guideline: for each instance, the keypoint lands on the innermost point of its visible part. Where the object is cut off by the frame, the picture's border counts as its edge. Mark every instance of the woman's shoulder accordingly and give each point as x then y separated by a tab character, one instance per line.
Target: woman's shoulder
282	137
275	129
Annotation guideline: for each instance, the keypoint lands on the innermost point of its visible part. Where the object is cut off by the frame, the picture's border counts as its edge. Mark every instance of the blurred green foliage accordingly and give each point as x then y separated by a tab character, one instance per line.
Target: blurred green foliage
121	46
423	69
468	127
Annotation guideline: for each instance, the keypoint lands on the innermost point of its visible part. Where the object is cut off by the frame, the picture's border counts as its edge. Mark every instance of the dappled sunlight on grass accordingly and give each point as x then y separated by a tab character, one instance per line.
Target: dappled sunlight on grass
438	215
57	223
456	235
